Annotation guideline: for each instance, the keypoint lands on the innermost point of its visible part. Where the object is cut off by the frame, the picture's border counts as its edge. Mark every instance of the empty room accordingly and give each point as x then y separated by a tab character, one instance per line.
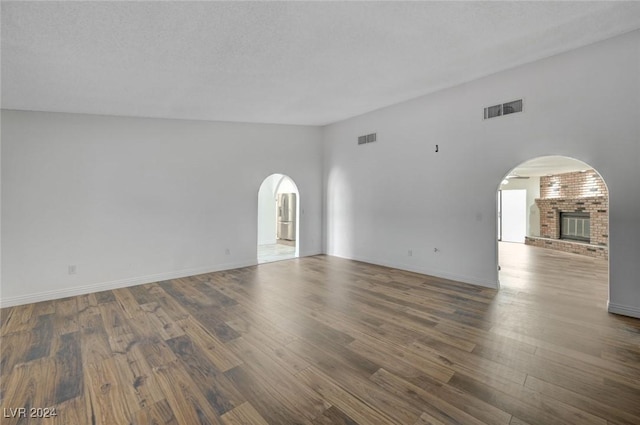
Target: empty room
320	212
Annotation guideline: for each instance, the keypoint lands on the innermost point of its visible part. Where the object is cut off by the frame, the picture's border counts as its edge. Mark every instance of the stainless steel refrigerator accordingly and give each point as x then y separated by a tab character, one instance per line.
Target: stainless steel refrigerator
287	216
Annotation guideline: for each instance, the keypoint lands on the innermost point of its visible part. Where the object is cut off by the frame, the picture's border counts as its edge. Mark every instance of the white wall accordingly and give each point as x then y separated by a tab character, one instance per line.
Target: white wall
267	206
398	194
287	186
131	200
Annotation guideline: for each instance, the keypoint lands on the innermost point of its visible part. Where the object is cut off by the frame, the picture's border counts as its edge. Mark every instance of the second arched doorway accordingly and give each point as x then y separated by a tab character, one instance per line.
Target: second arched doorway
553	227
278	219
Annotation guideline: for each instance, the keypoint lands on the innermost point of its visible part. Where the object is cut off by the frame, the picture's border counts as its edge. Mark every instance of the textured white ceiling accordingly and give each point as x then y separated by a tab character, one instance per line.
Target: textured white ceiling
275	62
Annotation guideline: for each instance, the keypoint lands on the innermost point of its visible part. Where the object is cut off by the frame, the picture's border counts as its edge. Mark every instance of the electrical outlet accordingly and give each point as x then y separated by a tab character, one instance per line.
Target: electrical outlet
227	251
72	269
410	253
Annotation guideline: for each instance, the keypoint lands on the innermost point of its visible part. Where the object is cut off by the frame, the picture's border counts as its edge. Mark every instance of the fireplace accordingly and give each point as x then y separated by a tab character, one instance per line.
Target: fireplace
574	214
575	226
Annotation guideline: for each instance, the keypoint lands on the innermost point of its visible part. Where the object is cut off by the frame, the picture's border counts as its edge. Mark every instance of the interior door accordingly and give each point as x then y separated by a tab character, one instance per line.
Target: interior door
513	215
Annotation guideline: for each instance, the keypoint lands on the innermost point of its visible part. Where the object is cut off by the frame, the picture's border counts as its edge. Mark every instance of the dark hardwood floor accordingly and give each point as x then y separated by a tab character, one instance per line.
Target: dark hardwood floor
323	340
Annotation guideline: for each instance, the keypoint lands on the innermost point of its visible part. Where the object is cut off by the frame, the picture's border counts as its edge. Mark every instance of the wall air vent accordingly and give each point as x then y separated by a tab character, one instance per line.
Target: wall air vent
368	138
503	109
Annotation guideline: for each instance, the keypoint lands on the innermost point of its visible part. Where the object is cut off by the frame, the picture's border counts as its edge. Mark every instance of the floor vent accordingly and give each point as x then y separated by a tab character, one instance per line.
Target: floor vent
369	138
503	109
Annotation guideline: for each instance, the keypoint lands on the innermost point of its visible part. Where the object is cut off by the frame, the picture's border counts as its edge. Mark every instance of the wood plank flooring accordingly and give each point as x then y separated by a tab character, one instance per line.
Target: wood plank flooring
322	340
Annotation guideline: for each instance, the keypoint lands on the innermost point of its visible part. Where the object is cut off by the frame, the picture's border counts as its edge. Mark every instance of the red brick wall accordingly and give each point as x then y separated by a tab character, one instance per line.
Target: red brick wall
573	185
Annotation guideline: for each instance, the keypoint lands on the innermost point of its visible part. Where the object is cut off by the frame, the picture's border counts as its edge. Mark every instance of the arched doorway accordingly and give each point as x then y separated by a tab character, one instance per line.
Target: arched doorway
553	227
278	219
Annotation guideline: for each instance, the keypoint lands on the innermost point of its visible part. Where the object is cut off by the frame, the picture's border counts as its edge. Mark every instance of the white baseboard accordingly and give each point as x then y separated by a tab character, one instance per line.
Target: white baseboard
624	310
310	253
115	284
416	269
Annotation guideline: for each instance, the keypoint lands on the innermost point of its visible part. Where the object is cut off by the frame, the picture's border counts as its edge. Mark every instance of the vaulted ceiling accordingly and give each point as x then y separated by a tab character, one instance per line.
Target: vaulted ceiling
275	62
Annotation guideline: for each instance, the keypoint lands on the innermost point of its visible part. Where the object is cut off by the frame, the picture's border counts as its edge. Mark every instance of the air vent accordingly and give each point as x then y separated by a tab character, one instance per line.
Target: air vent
503	109
369	138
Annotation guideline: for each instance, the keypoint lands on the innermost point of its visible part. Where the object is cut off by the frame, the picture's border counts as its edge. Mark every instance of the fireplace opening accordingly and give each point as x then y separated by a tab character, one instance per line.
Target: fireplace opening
575	226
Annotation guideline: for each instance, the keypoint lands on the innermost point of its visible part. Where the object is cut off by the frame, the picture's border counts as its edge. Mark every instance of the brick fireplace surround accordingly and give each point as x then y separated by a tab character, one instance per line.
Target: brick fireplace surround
573	192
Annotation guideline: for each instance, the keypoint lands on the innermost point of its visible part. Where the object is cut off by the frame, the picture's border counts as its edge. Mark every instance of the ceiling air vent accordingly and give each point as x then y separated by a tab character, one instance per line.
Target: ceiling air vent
369	138
503	109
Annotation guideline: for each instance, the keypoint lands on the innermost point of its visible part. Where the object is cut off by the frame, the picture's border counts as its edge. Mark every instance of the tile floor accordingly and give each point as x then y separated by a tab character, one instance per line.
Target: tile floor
275	252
